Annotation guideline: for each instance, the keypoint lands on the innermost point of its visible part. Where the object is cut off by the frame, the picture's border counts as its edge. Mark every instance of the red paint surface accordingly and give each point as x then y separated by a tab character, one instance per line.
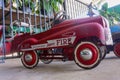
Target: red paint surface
81	28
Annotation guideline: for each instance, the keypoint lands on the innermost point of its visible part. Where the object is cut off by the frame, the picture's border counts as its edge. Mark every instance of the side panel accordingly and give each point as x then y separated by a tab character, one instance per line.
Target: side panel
68	37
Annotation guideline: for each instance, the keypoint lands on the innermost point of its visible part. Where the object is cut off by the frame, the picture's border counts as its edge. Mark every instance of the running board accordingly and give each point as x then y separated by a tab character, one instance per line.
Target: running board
52	57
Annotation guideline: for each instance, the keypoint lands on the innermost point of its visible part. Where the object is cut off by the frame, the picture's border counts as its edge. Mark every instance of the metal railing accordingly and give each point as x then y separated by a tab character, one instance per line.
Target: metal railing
78	9
14	10
75	9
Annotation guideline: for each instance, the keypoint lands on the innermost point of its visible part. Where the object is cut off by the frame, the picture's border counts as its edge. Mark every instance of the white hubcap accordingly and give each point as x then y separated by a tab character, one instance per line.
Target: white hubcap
86	54
28	57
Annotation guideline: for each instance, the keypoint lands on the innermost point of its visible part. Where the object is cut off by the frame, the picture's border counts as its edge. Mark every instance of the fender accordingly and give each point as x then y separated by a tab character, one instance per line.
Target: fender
90	30
26	44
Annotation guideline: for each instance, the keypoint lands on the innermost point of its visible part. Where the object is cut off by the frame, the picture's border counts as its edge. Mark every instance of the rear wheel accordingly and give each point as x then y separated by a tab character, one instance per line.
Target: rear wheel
117	49
47	54
87	55
30	59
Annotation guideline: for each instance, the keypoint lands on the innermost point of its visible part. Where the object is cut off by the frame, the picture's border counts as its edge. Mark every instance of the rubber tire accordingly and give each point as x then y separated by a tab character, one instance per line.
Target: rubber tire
30	64
116	50
79	60
48	61
104	52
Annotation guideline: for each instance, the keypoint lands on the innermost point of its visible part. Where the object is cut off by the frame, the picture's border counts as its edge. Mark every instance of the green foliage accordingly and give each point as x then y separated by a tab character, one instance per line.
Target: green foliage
112	17
51	5
47	5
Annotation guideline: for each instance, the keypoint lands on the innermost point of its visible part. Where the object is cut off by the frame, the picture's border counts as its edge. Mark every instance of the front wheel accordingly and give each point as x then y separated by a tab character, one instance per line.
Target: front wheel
87	55
30	59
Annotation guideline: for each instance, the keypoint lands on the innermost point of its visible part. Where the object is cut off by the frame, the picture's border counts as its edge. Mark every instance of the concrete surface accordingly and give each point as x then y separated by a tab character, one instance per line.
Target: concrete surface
108	69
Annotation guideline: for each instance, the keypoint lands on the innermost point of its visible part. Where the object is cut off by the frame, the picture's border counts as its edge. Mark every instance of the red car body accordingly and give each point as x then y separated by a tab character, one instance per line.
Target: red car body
68	36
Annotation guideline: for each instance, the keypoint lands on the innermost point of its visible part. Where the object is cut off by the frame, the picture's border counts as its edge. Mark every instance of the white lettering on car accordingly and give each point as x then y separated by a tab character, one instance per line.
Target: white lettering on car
56	43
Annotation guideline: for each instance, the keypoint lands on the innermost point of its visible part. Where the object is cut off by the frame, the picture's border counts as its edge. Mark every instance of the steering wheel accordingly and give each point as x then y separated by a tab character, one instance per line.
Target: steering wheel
60	15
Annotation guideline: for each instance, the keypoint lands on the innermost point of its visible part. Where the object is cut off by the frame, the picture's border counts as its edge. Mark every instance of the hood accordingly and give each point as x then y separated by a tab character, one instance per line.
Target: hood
98	19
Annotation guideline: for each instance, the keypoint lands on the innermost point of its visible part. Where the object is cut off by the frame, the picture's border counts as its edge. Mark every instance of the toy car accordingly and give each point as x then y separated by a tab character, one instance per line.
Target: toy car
116	40
81	40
